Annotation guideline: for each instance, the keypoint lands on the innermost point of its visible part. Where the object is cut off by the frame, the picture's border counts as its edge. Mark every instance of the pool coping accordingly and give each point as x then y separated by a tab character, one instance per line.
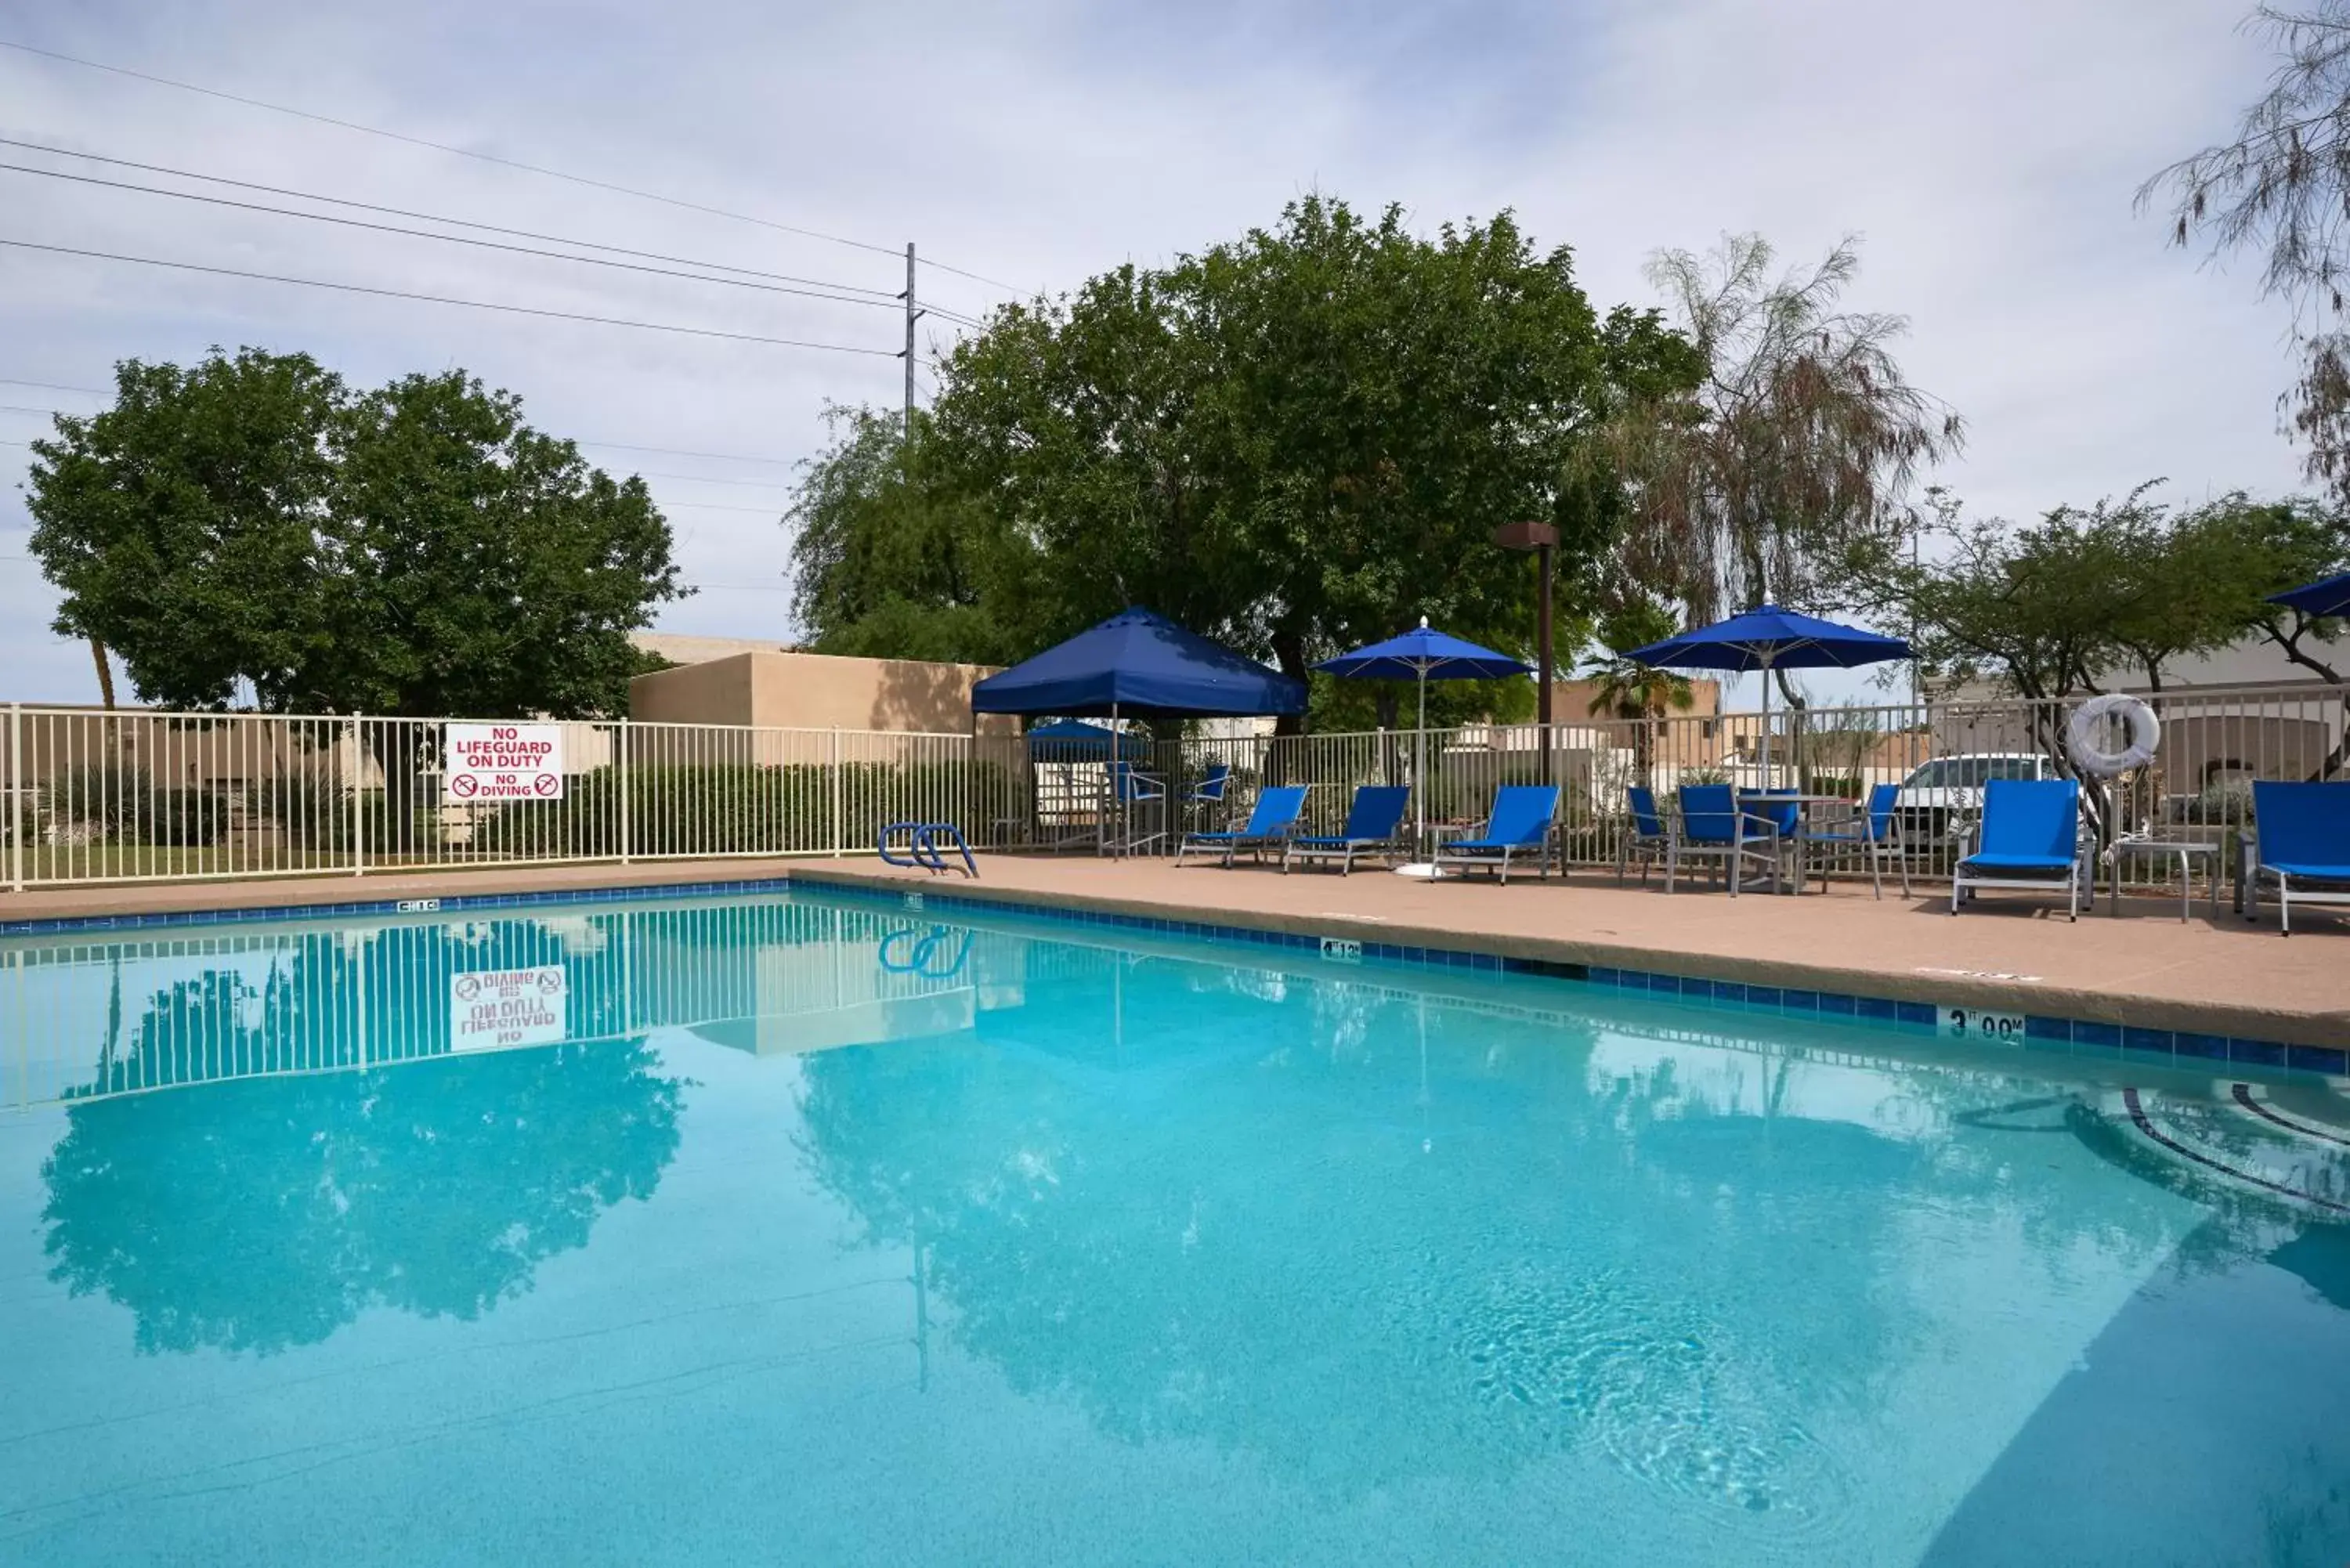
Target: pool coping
2194	1036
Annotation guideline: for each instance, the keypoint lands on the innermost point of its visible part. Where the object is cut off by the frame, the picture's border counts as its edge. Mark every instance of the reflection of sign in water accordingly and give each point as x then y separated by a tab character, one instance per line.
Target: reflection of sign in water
494	1007
502	762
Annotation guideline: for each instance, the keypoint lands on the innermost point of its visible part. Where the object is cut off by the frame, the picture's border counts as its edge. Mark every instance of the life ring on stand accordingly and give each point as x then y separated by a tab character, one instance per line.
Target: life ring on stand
2085	735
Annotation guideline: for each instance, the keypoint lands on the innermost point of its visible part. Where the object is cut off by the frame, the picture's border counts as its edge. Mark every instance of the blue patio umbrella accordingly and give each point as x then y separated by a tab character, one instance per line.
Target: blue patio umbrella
1423	656
1771	639
2328	597
1075	741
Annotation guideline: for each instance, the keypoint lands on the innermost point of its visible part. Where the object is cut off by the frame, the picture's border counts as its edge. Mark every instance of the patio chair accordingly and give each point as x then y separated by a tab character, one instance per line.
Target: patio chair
1872	833
1374	826
1207	792
1131	787
1518	825
1270	824
2029	836
1648	841
1714	826
2302	840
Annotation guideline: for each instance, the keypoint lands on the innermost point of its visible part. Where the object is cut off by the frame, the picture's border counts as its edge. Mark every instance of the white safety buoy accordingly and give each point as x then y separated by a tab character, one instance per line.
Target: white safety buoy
2085	736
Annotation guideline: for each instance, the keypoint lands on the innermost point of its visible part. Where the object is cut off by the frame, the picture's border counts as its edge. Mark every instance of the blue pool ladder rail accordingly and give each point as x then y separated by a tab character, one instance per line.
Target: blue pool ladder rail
922	848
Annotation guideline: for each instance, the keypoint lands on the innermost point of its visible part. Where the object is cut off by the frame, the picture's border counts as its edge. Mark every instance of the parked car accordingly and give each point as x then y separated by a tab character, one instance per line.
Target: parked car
1938	795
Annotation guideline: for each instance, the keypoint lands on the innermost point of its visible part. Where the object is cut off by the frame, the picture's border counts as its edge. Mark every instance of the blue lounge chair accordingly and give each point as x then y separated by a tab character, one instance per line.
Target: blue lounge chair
1269	826
1648	841
2303	837
1518	825
1714	826
1374	826
2030	838
1872	835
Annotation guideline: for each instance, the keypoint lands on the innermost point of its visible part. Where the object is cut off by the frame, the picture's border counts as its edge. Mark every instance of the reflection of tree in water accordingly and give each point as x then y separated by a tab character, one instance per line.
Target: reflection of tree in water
1253	1227
263	1213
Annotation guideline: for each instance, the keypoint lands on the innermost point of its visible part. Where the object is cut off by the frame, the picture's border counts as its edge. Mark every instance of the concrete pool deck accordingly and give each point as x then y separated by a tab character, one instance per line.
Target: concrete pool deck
2210	975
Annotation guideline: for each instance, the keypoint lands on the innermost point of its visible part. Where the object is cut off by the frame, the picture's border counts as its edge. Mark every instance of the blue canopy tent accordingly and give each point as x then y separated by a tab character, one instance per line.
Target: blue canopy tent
2329	596
1140	665
1075	741
1137	664
1423	656
1771	638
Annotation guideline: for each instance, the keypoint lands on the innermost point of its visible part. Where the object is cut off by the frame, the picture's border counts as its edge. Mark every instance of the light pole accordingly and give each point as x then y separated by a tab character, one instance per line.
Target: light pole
1541	538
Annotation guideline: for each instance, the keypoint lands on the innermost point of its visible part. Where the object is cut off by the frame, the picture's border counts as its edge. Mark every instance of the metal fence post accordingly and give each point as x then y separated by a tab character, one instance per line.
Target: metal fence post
620	747
838	810
16	797
359	783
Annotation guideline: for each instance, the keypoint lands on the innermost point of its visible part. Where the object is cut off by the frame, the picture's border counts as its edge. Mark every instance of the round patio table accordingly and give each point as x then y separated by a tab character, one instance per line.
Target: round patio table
1804	805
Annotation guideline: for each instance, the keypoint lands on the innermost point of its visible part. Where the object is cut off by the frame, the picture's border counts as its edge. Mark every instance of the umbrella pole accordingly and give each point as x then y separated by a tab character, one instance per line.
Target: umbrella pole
1766	722
1420	771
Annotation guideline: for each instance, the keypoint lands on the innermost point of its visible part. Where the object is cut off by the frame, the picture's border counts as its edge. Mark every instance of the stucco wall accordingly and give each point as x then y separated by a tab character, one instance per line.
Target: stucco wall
817	691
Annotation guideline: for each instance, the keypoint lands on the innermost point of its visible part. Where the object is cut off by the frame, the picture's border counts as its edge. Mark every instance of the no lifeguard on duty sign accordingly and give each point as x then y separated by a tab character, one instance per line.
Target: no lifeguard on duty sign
502	761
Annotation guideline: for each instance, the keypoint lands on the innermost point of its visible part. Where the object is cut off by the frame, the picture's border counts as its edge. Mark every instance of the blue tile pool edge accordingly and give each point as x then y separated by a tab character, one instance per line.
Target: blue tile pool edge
452	903
2191	1049
2188	1049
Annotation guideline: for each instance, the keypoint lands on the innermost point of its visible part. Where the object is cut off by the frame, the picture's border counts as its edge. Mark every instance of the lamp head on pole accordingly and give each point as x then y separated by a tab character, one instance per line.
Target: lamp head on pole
1528	536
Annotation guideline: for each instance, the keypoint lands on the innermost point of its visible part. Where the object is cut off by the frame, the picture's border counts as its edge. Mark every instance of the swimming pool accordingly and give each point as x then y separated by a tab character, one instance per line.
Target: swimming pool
786	1229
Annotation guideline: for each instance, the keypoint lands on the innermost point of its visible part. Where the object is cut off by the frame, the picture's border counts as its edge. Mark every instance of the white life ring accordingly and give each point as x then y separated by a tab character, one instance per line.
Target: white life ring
2085	735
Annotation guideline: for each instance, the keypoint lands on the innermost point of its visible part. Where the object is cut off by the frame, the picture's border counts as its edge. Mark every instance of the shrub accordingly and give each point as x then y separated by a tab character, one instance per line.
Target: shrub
184	818
101	800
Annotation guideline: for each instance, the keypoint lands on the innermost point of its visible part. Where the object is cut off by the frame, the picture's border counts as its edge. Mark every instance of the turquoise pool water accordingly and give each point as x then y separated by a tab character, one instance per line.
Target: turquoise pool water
781	1230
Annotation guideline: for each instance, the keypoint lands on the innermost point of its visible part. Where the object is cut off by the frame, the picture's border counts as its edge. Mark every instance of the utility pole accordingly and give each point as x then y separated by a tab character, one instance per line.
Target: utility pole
913	315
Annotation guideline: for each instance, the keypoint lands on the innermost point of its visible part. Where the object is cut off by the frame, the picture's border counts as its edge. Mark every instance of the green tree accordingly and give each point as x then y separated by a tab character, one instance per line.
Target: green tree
2280	188
416	550
1792	455
1298	442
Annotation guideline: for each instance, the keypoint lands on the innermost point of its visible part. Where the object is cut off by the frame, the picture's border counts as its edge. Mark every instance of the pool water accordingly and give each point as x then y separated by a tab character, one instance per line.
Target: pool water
788	1231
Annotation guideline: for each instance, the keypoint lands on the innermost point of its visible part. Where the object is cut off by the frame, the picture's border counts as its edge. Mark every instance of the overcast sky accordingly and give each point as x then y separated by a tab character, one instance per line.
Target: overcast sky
1986	153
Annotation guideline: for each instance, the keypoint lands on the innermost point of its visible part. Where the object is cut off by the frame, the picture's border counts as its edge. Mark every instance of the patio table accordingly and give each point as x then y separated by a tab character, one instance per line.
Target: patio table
2185	851
1804	805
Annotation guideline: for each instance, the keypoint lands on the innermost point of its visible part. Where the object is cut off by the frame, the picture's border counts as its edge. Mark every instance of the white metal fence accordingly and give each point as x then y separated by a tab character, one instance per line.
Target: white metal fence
141	796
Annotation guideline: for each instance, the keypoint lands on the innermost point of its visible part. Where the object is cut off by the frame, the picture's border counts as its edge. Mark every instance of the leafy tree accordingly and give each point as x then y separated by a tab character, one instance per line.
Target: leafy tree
415	550
1794	452
1297	443
2282	189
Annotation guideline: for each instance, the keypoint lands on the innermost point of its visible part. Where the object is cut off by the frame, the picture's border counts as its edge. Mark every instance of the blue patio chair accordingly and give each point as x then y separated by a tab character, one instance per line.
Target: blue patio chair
1374	826
1271	822
2029	836
1648	841
1131	787
1871	833
2302	840
1713	826
1518	825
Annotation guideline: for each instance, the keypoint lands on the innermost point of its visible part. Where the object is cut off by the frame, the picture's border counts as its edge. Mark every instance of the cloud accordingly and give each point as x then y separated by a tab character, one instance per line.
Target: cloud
1987	153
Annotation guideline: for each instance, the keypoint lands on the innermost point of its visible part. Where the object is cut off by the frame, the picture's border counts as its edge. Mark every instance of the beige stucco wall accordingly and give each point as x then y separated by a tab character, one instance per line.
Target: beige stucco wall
817	691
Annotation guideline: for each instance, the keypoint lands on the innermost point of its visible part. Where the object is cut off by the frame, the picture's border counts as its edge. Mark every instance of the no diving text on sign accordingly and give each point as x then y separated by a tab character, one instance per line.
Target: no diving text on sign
502	762
498	1007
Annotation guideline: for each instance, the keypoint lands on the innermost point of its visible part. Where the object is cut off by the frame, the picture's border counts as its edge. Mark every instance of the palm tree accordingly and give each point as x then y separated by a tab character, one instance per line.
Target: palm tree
1625	689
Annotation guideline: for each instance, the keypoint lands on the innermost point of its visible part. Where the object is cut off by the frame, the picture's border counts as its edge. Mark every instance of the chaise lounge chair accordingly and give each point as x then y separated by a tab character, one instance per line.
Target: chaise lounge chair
1374	826
1269	826
2030	838
2303	837
1518	825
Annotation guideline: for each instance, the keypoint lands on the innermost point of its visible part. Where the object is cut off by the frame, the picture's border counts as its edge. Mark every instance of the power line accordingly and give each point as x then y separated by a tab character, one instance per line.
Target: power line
58	386
1012	288
706	479
445	146
719	506
448	299
884	303
878	293
24	409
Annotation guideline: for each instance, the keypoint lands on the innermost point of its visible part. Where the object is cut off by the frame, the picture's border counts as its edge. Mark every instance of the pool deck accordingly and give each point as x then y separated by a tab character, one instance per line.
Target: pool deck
2147	969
